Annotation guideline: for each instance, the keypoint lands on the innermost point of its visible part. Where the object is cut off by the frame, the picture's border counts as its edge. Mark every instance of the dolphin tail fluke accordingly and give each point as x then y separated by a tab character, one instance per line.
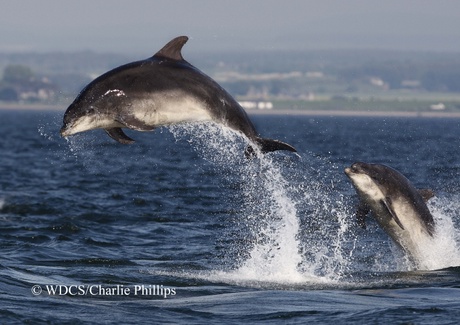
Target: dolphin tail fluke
268	145
426	194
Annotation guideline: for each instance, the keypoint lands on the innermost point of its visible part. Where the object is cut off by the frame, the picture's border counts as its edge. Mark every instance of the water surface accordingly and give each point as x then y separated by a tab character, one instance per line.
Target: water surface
267	240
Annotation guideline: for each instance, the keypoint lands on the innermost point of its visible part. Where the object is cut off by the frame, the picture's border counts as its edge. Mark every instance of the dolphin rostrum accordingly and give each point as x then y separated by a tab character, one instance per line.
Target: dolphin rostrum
398	207
159	91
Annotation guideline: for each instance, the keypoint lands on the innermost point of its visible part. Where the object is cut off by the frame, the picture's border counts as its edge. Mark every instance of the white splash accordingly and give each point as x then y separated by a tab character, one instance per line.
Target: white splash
43	132
443	251
276	253
273	251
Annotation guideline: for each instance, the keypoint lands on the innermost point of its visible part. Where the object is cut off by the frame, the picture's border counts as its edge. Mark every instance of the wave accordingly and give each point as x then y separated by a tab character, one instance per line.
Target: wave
2	203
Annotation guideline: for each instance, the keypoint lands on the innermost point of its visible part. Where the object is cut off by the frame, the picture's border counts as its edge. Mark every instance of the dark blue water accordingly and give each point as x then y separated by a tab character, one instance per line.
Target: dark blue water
181	228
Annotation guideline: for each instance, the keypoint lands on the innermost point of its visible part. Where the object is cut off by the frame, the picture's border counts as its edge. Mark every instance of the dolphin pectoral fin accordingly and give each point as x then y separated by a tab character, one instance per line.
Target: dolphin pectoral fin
118	135
426	194
269	145
387	204
361	213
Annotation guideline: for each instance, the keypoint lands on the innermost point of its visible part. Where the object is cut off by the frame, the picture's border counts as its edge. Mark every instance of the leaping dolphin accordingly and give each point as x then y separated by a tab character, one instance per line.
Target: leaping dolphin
159	91
398	207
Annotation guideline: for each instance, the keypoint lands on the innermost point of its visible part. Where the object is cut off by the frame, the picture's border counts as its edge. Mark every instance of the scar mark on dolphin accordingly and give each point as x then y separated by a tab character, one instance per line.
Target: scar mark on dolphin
116	92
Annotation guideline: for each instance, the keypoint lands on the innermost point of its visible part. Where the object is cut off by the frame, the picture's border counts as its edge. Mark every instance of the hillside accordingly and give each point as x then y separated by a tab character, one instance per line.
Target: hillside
317	80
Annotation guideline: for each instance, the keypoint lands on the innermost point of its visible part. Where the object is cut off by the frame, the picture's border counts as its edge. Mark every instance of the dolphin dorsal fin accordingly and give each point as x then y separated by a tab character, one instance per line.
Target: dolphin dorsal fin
172	50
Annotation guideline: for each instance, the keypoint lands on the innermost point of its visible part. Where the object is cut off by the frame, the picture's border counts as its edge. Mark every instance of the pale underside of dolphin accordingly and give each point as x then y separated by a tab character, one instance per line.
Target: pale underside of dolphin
159	91
397	206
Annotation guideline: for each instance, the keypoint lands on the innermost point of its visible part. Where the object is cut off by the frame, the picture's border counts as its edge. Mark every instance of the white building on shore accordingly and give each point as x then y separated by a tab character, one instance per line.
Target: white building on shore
262	105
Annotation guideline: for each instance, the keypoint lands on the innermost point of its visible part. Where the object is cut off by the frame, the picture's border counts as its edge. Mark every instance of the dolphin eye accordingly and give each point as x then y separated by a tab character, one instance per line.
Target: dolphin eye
90	110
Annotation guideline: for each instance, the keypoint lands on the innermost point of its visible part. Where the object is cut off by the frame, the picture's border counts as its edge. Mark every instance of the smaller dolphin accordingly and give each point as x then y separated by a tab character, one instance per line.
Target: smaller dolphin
159	91
398	207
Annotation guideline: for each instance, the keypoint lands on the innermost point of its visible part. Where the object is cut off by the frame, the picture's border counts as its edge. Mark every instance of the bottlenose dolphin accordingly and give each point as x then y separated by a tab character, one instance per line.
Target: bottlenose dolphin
398	207
159	91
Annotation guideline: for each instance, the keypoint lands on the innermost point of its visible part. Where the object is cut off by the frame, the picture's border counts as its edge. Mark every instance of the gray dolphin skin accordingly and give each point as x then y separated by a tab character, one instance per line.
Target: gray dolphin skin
398	207
159	91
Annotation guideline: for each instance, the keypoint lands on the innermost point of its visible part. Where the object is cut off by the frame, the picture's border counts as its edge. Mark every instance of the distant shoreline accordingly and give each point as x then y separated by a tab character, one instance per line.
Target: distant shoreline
293	112
31	107
286	112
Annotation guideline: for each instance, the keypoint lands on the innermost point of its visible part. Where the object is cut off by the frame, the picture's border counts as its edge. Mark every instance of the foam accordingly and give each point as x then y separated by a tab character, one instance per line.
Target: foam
273	251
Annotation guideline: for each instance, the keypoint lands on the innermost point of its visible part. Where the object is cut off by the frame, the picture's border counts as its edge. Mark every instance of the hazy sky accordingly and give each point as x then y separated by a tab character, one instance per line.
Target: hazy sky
140	26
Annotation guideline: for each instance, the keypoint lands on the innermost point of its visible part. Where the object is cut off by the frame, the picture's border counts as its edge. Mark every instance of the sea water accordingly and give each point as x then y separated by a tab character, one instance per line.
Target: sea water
95	231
